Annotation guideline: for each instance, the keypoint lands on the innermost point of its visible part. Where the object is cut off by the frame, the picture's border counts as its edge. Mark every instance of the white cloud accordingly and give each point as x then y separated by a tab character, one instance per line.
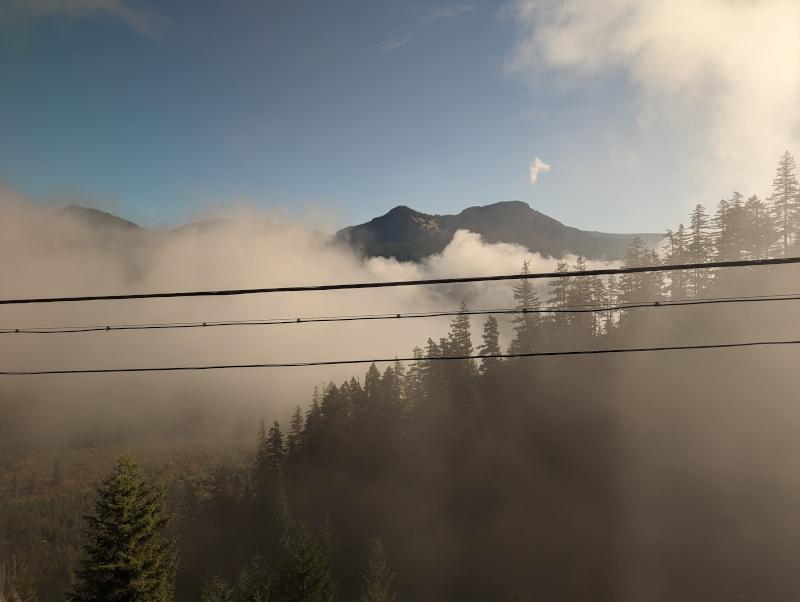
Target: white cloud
719	78
16	10
537	168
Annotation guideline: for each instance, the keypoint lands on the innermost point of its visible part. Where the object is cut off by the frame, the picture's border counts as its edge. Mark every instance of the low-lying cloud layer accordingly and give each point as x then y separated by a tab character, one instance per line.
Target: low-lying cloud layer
48	253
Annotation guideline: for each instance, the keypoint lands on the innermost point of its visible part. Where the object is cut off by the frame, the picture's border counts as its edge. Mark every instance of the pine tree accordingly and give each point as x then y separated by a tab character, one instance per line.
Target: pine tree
127	555
372	385
490	345
378	579
610	296
784	201
306	571
675	252
294	441
760	235
217	589
699	249
525	324
255	581
459	339
580	293
270	458
631	286
559	297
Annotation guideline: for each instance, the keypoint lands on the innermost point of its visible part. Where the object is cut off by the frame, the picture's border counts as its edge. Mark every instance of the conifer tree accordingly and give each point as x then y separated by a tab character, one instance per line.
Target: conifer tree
459	339
675	252
525	324
490	345
372	385
312	432
294	441
378	579
610	296
580	293
760	234
254	583
699	249
784	201
306	571
270	458
217	589
414	391
559	297
127	554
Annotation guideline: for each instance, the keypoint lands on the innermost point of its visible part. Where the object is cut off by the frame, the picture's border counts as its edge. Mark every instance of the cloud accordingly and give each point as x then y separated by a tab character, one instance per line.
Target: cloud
449	12
21	10
48	253
719	80
394	44
537	168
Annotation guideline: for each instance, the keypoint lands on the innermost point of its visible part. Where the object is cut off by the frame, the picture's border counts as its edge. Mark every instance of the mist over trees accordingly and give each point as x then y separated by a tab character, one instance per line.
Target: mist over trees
505	478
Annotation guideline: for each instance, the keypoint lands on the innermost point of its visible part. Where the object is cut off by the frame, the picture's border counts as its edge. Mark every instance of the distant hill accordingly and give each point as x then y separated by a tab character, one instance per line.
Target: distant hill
97	219
409	235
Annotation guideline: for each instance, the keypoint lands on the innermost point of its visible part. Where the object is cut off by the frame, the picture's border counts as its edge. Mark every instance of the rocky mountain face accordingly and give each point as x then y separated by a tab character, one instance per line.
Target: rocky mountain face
409	235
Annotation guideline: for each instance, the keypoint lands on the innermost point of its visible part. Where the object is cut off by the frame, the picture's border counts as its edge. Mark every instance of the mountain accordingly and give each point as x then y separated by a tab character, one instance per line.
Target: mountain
97	219
409	235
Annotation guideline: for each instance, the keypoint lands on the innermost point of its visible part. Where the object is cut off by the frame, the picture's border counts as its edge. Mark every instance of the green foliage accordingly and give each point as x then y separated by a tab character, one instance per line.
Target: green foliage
127	555
217	589
305	573
254	584
378	579
490	345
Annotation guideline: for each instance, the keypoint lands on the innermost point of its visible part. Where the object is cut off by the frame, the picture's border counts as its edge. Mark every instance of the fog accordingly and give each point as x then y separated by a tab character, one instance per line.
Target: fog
47	252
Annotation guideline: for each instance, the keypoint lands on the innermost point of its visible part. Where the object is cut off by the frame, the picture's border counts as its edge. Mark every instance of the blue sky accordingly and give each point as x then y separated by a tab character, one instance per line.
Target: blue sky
161	110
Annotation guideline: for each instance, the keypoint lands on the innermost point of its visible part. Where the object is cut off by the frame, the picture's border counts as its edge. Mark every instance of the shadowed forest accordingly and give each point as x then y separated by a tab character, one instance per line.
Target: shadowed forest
651	476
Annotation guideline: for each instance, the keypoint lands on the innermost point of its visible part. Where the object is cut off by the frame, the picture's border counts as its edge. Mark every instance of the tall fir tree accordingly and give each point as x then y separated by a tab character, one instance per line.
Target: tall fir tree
270	458
699	249
128	555
378	580
581	292
294	440
525	324
414	387
305	572
760	235
490	345
559	298
784	201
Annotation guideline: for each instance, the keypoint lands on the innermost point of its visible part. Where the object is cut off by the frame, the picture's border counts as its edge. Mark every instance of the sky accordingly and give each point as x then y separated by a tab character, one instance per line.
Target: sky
614	116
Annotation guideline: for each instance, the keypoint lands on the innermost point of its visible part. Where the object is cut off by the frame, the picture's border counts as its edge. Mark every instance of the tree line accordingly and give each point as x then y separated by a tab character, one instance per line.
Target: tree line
480	480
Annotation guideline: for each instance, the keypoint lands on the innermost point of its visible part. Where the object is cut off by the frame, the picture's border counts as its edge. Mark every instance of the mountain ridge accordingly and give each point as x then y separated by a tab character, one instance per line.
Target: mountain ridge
410	235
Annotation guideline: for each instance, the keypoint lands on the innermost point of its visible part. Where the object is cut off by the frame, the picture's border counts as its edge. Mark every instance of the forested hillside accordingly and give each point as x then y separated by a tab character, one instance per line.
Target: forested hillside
652	476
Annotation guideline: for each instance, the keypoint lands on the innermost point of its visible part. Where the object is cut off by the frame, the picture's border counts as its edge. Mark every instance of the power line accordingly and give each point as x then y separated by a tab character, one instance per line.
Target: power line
396	283
402	315
395	359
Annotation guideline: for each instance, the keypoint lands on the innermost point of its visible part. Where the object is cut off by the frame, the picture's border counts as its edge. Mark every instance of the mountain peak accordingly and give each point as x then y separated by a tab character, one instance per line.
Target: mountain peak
409	235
